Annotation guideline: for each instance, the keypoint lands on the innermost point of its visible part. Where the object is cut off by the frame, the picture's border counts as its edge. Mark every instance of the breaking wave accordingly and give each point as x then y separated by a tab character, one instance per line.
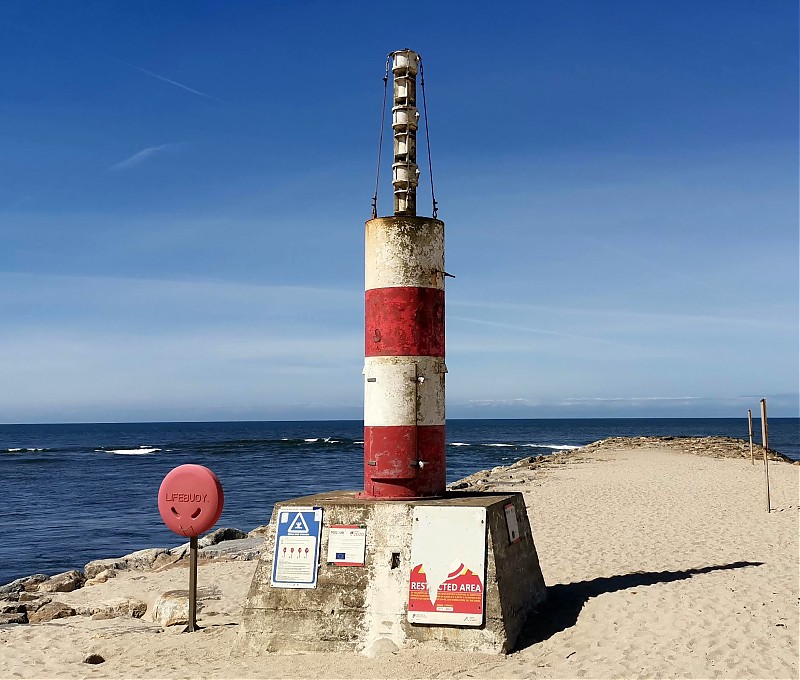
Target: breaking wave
141	451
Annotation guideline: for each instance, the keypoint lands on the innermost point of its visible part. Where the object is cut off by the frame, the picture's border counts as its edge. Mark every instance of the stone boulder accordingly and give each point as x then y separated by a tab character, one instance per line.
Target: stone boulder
224	544
64	582
172	608
24	584
117	607
102	577
236	550
220	535
13	612
38	603
141	560
29	597
50	611
211	539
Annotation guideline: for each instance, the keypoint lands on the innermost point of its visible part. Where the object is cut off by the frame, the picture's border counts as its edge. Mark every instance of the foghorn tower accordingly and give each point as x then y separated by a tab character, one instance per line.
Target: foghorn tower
404	400
383	568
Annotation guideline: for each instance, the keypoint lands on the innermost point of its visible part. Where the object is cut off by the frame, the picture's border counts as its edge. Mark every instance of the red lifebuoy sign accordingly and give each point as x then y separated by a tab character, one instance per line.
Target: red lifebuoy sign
190	500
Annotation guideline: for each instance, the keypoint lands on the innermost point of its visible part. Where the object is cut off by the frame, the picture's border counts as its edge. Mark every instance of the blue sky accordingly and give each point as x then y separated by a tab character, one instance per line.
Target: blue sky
183	188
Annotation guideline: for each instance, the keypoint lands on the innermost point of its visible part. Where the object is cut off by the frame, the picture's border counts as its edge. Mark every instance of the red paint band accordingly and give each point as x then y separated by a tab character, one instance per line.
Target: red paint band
392	456
406	321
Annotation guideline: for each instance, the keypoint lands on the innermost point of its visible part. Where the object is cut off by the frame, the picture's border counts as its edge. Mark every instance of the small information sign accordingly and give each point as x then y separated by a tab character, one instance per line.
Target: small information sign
294	564
347	545
511	523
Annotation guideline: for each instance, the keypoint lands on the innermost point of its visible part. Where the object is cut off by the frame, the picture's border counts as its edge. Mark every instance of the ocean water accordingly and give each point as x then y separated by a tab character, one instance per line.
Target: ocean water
74	493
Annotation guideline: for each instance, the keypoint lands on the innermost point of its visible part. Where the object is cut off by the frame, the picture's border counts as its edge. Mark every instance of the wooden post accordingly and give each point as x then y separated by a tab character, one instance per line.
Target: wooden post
765	442
750	432
192	627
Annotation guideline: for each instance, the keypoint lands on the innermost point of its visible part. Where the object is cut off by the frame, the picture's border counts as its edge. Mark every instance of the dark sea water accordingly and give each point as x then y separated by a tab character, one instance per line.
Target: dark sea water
74	493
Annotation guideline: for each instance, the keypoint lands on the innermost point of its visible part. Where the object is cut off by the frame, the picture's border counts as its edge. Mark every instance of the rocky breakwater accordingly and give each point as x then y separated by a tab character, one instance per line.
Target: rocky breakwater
505	477
39	598
714	447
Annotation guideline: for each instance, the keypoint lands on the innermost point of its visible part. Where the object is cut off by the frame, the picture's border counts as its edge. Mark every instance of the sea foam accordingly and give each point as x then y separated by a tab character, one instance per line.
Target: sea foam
141	451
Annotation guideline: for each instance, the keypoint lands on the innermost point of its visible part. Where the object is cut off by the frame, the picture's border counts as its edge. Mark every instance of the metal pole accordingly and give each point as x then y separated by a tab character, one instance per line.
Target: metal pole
192	627
405	118
765	442
750	432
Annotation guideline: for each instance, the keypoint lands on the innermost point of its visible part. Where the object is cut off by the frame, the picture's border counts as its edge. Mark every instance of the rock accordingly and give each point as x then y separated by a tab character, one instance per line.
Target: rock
220	535
179	551
522	462
38	603
244	548
24	584
13	618
259	531
29	597
120	606
9	614
172	608
140	560
65	582
95	567
50	611
211	539
239	549
94	659
13	612
102	577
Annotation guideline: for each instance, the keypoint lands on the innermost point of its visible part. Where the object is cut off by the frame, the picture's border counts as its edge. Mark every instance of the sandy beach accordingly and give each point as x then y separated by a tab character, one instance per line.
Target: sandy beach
659	557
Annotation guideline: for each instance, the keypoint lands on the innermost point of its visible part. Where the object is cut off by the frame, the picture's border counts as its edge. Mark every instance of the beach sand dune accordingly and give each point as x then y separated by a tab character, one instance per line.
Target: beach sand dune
659	564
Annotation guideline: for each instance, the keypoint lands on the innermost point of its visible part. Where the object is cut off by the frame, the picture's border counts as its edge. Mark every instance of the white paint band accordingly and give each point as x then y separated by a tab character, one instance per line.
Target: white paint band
404	253
404	391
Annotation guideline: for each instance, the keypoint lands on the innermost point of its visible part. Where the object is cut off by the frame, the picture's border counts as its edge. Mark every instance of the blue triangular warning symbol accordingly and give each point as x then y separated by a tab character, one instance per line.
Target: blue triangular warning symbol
298	525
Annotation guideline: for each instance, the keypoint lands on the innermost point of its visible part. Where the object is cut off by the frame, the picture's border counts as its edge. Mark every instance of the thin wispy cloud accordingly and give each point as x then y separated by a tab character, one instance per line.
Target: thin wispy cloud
19	202
171	82
621	314
542	331
139	157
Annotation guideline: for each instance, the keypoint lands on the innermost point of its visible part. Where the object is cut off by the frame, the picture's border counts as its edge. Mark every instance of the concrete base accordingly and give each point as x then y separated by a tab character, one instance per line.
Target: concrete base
365	608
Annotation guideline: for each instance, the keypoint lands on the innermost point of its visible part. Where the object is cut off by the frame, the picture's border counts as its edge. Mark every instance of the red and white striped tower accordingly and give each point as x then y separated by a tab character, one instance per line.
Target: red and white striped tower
404	371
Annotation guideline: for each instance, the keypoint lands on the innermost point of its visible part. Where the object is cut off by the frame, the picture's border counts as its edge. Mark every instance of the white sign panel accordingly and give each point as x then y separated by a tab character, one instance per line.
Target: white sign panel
294	563
448	566
347	545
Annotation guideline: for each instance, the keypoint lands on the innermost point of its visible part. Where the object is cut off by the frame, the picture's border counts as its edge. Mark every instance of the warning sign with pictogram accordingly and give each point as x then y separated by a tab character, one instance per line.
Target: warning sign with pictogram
298	525
296	557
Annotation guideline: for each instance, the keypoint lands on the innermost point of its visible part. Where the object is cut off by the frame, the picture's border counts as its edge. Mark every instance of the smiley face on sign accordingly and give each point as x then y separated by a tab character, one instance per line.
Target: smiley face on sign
190	500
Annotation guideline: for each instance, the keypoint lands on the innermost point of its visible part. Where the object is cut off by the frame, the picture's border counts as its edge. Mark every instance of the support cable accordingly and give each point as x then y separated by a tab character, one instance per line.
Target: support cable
428	138
380	140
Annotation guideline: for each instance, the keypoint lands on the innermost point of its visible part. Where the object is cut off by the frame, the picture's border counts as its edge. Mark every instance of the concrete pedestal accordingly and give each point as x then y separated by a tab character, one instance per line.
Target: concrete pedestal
365	608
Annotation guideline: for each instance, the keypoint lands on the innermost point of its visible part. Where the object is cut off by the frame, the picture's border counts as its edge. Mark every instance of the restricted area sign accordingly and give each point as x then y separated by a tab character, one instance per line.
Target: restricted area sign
294	563
190	500
448	561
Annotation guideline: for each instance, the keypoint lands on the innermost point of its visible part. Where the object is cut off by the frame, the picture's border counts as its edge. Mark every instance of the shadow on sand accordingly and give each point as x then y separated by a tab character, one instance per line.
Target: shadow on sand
565	601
